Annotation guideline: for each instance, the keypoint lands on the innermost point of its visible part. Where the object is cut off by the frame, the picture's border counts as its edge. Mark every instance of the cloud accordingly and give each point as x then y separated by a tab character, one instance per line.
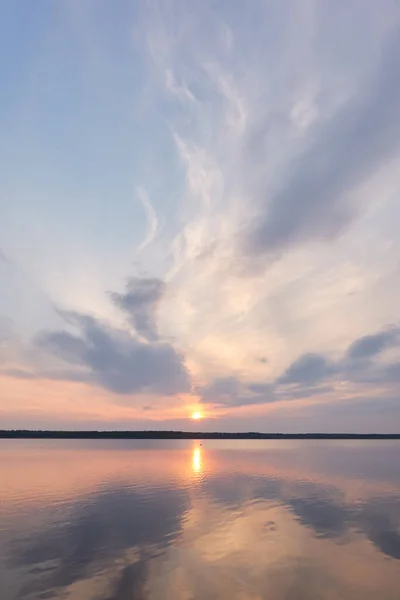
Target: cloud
4	258
152	220
124	364
7	329
230	391
312	374
355	366
392	373
90	350
116	360
17	373
140	302
343	151
308	369
222	386
372	345
259	388
53	374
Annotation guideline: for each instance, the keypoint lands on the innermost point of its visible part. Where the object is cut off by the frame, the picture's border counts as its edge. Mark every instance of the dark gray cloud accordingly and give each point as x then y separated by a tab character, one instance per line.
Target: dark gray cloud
372	345
343	151
308	369
115	359
140	302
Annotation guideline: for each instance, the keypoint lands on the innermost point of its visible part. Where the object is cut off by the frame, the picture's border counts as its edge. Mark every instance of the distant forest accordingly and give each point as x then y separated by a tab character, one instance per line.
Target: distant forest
190	435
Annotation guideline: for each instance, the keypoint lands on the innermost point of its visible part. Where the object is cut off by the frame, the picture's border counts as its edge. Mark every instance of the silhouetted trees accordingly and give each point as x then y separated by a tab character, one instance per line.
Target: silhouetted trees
188	435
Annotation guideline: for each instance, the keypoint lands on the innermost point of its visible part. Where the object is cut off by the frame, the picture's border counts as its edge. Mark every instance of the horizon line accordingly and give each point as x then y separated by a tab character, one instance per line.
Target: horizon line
179	434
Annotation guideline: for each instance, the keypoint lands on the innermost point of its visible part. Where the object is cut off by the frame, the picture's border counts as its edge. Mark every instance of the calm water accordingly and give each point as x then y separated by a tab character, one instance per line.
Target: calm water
135	520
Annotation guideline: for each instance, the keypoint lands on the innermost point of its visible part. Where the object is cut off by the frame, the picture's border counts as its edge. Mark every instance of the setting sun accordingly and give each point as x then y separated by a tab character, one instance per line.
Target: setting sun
196	415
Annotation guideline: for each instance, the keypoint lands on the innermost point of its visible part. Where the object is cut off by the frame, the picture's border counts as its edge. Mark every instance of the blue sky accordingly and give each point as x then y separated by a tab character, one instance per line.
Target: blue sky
199	212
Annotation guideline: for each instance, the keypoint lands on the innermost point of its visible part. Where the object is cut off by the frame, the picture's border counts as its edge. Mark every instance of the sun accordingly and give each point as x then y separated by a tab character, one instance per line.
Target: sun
196	415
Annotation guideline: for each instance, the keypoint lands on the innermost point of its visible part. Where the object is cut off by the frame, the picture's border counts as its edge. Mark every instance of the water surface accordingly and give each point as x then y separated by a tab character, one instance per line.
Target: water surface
184	520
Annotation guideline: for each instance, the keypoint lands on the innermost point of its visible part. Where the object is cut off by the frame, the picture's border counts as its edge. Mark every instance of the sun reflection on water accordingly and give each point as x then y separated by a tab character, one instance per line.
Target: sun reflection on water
197	463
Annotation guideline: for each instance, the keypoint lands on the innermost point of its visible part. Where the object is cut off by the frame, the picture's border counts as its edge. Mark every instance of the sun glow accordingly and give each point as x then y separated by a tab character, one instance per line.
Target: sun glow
196	415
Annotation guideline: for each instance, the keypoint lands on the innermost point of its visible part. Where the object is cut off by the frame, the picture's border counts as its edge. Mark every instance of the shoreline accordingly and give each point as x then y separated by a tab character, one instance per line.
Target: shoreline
189	435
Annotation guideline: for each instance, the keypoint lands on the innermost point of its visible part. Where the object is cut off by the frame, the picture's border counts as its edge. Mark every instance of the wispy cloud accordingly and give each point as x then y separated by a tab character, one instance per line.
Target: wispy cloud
152	220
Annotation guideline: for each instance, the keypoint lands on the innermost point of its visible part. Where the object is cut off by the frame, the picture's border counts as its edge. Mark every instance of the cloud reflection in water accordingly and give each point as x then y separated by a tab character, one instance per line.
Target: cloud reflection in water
260	525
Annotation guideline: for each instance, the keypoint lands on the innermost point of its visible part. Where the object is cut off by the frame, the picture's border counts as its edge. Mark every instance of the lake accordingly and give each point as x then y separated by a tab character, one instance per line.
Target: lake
185	520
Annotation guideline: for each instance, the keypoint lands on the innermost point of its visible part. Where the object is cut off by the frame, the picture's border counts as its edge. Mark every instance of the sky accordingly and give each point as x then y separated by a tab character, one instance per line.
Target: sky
199	213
